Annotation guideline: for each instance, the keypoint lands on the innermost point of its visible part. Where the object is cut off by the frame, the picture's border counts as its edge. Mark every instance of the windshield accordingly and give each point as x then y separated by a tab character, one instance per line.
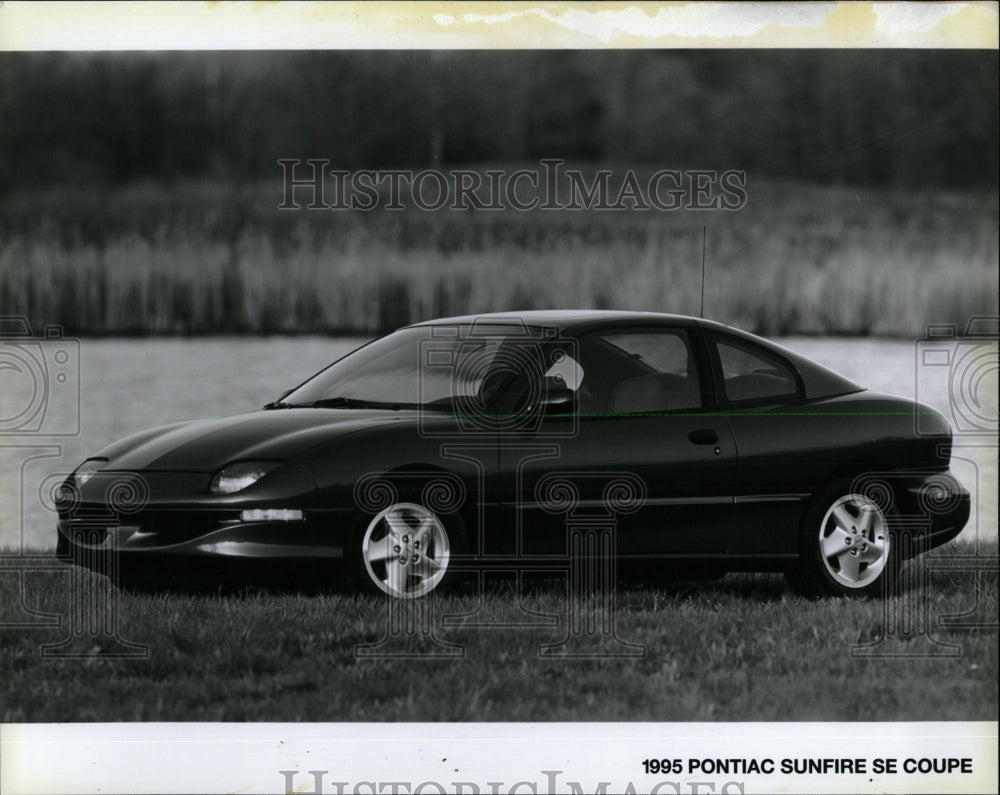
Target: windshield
431	367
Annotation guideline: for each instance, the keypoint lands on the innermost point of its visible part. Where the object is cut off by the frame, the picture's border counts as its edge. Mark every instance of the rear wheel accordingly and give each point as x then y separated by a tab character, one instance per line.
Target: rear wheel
847	545
405	551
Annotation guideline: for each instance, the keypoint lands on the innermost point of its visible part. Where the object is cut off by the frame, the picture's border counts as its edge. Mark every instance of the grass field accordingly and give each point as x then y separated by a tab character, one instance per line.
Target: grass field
208	259
739	649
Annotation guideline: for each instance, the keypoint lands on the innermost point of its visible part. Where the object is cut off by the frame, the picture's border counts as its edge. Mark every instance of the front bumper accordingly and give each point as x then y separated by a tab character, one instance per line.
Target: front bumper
236	539
189	547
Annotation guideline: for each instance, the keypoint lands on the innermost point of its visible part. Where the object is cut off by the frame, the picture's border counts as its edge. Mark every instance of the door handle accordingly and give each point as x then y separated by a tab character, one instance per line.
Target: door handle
704	436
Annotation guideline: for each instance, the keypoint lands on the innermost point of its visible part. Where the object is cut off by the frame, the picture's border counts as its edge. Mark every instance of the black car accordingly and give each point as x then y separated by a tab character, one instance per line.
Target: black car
493	442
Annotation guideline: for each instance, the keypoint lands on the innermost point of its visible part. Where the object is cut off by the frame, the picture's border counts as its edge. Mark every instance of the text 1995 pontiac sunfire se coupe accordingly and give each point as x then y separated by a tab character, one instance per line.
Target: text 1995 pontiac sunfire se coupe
485	443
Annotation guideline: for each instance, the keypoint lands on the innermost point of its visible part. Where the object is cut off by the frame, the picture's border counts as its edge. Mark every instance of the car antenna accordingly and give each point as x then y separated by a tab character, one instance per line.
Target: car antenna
704	233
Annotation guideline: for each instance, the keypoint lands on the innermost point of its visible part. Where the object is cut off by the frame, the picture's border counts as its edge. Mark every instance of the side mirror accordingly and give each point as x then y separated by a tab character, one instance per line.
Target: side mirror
559	400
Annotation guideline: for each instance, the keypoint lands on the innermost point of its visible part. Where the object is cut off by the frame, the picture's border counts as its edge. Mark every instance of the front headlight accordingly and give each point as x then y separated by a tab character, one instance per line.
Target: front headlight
236	477
87	470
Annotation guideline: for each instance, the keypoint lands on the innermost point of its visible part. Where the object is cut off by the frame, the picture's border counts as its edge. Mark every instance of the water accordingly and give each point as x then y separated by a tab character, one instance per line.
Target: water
127	385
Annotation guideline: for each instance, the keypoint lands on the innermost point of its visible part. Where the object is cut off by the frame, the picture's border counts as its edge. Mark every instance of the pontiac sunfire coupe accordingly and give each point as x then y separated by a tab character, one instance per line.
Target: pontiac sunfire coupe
493	442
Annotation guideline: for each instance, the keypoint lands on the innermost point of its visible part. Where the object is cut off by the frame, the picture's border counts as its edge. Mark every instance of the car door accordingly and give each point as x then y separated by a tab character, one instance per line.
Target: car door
761	396
643	450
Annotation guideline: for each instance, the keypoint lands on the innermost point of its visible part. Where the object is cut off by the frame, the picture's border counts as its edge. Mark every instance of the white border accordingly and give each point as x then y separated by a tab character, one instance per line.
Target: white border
159	757
473	25
235	757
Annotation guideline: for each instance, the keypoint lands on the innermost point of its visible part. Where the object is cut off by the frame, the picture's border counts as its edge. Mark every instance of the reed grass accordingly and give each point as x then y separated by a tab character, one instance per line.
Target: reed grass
203	259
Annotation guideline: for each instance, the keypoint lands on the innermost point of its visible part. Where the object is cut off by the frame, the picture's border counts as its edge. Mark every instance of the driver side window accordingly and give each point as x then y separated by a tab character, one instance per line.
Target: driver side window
638	371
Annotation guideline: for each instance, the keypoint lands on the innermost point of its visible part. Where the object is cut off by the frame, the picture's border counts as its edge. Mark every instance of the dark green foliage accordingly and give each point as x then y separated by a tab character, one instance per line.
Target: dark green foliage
872	117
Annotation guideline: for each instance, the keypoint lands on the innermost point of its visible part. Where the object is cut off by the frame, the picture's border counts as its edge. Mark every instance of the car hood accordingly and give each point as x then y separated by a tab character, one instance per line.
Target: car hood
207	445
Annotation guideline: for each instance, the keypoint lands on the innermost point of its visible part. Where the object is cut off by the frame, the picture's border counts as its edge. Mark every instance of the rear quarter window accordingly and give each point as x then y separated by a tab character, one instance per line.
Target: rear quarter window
754	375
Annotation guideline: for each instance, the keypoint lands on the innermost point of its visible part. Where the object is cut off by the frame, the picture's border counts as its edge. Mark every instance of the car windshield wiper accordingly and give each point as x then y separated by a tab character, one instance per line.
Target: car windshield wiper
280	402
448	404
354	403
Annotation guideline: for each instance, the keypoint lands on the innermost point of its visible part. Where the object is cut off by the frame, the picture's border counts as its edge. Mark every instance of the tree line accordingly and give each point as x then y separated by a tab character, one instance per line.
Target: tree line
901	118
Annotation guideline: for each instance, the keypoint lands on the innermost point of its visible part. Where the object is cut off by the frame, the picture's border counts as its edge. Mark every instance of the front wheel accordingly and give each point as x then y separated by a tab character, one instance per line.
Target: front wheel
405	551
847	545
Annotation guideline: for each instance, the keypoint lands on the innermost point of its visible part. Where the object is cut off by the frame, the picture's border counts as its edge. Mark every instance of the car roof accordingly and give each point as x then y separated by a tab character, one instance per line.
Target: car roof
562	318
579	319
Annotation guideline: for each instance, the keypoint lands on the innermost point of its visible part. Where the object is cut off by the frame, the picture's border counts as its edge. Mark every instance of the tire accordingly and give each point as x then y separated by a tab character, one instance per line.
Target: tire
847	545
405	551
